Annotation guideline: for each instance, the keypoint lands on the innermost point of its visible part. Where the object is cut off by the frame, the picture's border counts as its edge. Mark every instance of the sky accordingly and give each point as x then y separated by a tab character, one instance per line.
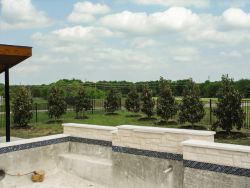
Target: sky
134	40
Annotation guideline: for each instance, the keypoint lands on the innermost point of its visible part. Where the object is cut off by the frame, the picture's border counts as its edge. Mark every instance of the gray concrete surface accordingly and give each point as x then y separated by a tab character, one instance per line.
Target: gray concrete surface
53	179
79	165
3	139
135	171
194	178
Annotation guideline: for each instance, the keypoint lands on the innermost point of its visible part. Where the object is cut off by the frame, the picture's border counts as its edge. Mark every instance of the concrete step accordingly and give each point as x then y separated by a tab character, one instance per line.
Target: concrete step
91	168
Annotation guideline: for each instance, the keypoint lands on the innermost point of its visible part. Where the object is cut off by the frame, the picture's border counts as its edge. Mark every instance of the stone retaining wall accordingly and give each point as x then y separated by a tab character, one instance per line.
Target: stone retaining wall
140	156
95	132
157	139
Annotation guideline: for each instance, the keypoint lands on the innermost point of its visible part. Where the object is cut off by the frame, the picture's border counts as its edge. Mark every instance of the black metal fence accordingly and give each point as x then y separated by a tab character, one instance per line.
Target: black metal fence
40	111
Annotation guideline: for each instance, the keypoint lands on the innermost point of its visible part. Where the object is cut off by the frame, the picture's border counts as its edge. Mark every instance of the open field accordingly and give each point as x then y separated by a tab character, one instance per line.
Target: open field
43	128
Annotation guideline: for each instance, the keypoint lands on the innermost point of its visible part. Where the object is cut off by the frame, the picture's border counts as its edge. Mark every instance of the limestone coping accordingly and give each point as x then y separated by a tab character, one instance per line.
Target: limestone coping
88	126
32	140
159	130
217	146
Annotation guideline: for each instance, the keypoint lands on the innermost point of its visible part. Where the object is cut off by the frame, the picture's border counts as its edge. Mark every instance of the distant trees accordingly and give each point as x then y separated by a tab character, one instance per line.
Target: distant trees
112	102
56	103
166	106
22	107
191	107
228	112
82	103
98	90
132	103
147	102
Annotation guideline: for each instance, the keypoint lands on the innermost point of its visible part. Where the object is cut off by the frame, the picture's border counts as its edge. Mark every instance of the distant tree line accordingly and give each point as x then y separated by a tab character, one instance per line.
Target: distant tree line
100	89
190	109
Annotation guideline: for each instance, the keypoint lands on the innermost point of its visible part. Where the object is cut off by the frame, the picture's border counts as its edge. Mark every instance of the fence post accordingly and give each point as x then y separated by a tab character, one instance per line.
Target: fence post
210	108
36	112
92	106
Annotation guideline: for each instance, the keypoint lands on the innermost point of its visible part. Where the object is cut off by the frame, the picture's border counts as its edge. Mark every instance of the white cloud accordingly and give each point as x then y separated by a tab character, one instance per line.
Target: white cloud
86	11
185	3
177	43
175	18
21	14
80	32
81	17
142	42
236	17
127	21
28	68
231	54
184	24
232	3
73	39
184	54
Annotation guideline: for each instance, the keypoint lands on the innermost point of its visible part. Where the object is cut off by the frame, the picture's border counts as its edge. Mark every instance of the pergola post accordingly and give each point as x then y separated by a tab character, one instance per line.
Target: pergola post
9	57
7	104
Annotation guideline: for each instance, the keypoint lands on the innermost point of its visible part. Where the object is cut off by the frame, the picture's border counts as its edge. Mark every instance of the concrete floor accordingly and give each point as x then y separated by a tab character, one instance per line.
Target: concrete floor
3	139
57	179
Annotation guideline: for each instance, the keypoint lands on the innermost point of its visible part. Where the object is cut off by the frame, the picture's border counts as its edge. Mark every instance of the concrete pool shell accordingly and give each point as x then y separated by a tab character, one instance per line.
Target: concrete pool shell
126	156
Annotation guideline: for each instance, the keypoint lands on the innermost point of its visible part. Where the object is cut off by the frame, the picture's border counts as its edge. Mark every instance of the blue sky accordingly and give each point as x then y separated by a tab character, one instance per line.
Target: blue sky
131	40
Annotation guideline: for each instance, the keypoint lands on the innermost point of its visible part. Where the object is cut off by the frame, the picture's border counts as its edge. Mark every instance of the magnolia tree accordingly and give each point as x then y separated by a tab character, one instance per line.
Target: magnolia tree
132	103
191	107
82	103
167	106
56	103
112	102
22	107
147	102
229	112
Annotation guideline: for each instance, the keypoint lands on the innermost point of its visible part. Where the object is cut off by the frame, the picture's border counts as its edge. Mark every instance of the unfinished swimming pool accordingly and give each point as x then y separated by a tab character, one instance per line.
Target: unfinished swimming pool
126	156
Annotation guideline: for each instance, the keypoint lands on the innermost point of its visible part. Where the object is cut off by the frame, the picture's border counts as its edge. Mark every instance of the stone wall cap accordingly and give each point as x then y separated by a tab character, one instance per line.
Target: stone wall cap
32	140
165	130
88	126
217	146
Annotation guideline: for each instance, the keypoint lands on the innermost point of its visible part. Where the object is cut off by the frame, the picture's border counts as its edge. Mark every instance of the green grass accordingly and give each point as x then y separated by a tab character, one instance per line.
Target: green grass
39	101
99	118
35	130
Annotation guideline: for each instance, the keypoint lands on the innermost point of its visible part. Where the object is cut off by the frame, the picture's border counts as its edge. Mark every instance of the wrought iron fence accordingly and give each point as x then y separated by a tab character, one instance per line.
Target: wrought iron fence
40	111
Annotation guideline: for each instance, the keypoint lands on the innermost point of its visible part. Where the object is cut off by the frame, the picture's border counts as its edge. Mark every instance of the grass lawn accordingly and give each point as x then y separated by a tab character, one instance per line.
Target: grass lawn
43	128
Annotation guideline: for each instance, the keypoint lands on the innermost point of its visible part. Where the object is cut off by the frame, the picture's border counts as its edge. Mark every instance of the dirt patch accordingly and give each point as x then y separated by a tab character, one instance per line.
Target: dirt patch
231	135
82	117
164	122
21	127
59	121
194	127
111	114
147	119
133	116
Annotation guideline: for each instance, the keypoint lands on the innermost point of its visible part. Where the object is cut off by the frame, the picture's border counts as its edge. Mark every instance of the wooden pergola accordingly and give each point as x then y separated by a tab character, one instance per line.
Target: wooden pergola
10	56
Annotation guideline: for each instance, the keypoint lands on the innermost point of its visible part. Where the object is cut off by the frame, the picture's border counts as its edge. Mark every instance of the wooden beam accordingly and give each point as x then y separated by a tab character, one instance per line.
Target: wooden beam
15	50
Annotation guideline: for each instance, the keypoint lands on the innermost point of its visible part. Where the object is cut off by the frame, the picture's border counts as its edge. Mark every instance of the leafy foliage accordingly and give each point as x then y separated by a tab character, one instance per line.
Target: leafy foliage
82	102
132	102
112	102
229	112
167	106
22	107
147	102
191	107
98	90
56	103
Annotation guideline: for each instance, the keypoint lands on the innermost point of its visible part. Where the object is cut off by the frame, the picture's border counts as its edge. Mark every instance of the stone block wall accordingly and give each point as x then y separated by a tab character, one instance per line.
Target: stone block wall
94	132
139	156
217	153
157	139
